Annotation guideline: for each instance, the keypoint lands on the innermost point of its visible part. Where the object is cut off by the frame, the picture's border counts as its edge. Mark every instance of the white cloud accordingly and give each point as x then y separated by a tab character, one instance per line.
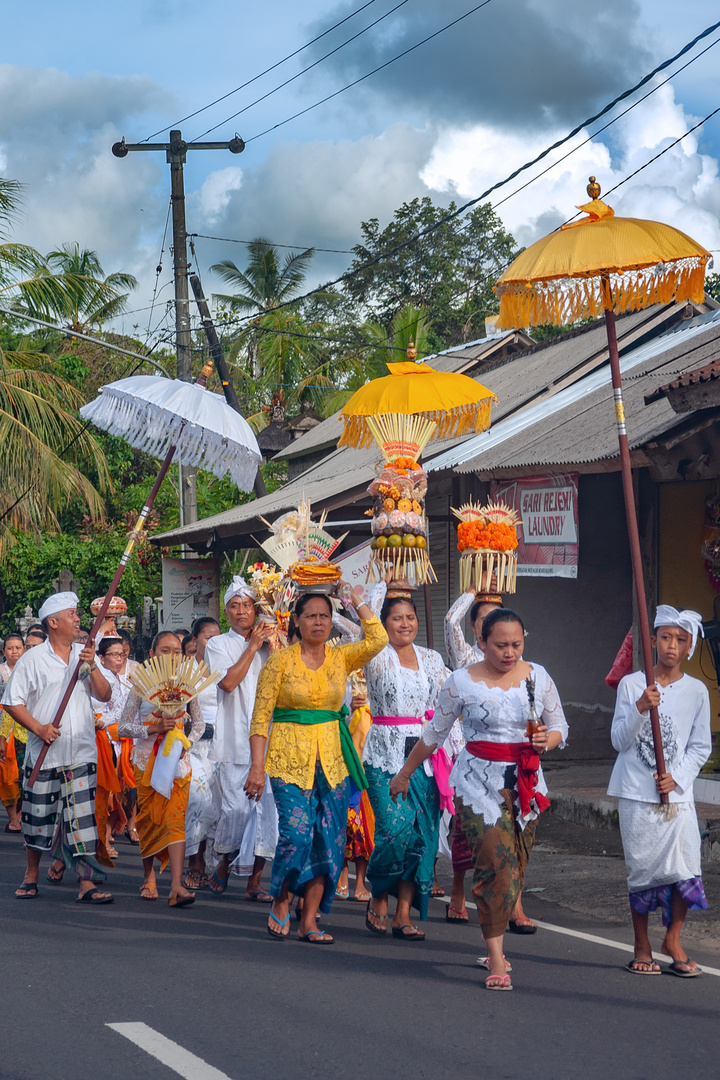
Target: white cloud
213	198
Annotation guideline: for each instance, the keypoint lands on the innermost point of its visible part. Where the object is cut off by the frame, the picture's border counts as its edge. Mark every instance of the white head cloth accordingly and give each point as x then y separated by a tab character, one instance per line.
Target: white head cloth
239	587
689	621
59	601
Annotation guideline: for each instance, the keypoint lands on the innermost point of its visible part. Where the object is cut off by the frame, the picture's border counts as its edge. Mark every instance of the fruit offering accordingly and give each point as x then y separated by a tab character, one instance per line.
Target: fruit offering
399	527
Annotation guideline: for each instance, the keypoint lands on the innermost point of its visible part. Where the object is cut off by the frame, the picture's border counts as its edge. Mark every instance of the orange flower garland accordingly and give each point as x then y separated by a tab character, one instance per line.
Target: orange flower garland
403	465
495	535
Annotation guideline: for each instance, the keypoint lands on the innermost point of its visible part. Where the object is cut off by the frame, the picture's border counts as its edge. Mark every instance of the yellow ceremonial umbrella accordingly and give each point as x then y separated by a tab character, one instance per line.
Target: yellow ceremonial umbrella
608	264
421	399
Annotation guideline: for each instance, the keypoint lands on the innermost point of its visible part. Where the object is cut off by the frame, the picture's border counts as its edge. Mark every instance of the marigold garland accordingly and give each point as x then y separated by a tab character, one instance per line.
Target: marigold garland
495	536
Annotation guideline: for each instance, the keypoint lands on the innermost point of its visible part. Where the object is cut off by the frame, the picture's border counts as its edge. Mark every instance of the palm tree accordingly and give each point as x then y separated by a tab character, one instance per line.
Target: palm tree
42	442
89	298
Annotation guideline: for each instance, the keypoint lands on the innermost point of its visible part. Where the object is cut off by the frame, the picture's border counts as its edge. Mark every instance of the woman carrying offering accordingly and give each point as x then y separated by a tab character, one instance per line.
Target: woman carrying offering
499	787
403	684
309	756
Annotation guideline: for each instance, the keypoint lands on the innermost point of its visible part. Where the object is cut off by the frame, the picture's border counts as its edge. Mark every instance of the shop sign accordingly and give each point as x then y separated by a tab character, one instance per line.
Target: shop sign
548	535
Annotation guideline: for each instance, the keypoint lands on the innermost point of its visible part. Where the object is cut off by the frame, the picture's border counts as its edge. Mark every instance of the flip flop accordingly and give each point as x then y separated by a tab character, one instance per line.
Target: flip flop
503	984
222	885
522	926
399	932
259	897
28	890
371	926
16	829
319	936
146	888
484	962
342	894
181	901
55	876
458	916
193	880
94	896
437	891
362	898
281	923
674	969
652	967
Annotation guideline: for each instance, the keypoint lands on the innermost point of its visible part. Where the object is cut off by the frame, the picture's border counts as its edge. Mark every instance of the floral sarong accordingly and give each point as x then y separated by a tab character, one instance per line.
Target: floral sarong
406	836
312	827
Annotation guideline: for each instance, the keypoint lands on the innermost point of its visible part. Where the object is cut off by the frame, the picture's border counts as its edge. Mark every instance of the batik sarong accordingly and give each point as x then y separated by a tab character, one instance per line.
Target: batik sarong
58	816
311	841
500	854
406	836
462	860
161	821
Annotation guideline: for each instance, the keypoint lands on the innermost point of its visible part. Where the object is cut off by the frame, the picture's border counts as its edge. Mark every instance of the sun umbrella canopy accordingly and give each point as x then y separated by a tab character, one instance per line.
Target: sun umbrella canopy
599	262
153	414
455	402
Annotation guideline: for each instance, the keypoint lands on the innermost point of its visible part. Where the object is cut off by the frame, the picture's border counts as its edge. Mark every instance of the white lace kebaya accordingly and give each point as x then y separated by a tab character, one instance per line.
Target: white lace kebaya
490	714
460	653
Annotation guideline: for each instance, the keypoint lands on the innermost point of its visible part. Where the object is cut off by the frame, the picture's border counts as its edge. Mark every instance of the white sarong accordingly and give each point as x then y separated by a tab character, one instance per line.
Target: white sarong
659	849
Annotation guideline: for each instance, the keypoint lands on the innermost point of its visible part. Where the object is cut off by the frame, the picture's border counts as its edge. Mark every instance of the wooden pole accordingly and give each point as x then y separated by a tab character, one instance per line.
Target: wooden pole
632	524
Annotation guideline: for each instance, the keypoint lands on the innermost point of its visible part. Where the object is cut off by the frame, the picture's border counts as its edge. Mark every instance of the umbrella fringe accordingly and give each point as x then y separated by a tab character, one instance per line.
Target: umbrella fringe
473	417
196	445
567	300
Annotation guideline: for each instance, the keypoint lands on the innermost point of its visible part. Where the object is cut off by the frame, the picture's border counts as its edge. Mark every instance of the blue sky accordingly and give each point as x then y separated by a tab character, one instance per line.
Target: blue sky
448	121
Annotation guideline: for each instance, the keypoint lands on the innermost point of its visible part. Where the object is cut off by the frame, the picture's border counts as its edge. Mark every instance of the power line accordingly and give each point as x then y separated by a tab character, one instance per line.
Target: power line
158	271
267	71
501	183
305	70
362	78
292	247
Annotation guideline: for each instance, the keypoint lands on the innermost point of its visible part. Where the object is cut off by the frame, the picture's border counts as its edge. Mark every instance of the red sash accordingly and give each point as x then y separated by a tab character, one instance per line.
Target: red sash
528	763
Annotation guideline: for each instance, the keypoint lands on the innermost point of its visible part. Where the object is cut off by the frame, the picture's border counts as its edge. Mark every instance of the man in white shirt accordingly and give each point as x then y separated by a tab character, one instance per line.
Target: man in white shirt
662	843
246	833
58	812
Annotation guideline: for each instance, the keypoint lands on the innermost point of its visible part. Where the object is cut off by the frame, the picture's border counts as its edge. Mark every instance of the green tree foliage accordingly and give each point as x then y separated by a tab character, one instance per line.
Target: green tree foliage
712	286
450	271
87	298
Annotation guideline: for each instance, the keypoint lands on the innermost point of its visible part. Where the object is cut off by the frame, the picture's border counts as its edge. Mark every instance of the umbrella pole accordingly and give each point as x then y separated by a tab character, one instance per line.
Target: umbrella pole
132	540
632	527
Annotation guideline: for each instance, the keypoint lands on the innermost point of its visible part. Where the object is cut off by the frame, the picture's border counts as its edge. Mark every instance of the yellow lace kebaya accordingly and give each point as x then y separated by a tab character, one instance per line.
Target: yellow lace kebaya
285	682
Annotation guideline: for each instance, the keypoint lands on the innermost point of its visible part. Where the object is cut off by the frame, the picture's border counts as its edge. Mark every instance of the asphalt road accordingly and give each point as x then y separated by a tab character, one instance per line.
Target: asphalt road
210	979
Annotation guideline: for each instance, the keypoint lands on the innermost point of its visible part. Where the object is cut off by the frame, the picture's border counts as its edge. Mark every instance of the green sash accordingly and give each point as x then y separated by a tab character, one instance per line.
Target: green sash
325	716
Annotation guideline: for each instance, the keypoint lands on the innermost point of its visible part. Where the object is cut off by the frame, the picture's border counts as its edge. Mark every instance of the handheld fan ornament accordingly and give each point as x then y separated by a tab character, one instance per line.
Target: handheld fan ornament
302	548
274	596
487	542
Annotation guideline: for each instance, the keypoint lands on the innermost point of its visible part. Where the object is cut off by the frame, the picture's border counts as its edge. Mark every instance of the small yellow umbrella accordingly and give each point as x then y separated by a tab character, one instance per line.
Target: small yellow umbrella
419	397
608	264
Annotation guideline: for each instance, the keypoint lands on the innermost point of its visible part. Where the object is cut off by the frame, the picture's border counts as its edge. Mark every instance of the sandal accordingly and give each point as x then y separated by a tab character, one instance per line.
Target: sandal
259	896
437	891
181	901
457	916
499	982
379	930
484	962
362	898
113	853
281	923
193	880
522	926
649	968
675	969
13	828
151	895
132	835
55	876
317	937
28	890
399	932
94	896
342	894
221	885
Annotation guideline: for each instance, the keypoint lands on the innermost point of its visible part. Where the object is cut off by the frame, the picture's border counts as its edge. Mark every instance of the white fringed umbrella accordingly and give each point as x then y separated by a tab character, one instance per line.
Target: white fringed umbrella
176	419
153	414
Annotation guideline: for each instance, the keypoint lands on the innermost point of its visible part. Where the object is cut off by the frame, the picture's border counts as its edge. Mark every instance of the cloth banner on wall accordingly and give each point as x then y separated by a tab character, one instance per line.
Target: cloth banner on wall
548	536
191	589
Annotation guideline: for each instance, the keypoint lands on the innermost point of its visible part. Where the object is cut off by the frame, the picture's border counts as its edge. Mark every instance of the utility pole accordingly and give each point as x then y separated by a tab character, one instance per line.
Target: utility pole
216	351
175	153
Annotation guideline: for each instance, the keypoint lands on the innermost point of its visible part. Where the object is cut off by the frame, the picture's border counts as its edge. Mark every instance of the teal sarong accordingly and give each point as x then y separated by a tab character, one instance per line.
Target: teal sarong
326	716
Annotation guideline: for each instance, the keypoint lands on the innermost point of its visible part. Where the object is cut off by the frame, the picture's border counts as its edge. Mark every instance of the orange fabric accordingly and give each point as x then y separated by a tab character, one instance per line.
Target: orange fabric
124	767
9	776
107	809
107	777
160	821
367	818
360	724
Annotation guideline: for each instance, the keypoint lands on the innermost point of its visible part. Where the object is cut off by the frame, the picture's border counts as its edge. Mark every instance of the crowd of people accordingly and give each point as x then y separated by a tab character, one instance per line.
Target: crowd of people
350	744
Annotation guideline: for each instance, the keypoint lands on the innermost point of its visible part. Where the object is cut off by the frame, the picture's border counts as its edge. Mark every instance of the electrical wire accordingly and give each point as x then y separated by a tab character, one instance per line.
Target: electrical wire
362	78
267	71
158	270
304	71
501	183
292	247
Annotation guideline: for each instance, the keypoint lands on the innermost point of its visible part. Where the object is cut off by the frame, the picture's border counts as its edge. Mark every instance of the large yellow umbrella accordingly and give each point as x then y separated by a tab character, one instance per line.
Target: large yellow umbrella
453	404
607	264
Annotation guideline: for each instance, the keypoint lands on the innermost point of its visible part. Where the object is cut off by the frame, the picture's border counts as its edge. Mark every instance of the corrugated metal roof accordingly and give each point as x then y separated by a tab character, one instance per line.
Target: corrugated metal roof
576	425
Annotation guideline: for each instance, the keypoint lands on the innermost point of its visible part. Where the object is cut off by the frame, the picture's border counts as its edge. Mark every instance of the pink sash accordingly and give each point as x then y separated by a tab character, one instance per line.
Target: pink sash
440	762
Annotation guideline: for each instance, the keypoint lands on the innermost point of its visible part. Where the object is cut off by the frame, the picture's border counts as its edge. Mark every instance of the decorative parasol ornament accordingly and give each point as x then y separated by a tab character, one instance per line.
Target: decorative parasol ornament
487	542
117	606
607	264
165	418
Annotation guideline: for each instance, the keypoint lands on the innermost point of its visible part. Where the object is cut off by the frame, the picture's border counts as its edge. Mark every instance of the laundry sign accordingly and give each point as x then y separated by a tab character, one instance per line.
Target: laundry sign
548	535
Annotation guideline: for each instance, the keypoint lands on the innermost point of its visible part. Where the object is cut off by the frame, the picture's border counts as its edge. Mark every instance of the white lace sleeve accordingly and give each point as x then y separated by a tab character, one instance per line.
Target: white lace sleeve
130	725
198	721
553	715
448	708
458	650
349	631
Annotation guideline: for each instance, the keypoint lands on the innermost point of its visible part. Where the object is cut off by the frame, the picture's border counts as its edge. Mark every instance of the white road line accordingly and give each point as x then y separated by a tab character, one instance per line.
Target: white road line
168	1052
